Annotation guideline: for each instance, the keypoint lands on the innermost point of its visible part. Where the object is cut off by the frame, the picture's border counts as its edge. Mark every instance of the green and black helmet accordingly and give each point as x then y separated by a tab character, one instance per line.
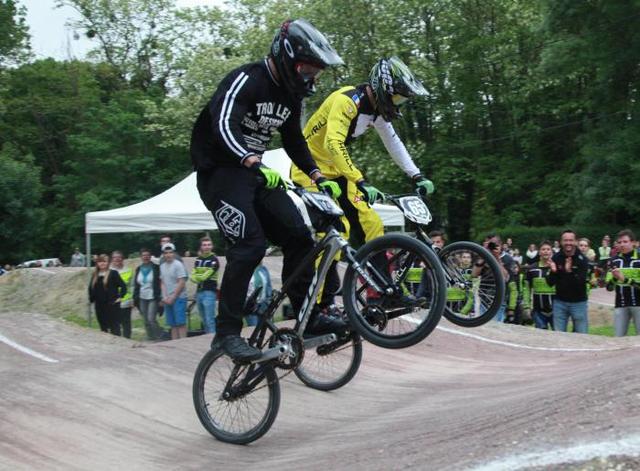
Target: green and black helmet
393	84
300	53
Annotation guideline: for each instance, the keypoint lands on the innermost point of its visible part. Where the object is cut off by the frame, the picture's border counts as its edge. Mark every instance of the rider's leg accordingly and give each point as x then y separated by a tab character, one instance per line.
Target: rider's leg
229	194
283	225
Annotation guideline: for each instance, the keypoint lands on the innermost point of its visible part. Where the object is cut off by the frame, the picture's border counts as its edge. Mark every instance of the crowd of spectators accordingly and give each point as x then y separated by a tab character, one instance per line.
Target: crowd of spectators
550	284
157	286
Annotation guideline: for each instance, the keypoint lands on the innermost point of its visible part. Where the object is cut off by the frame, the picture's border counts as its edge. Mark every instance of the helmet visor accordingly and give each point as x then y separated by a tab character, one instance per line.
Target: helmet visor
308	72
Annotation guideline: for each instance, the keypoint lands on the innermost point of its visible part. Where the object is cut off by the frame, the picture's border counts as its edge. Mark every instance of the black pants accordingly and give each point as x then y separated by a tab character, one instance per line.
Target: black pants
248	215
125	320
108	317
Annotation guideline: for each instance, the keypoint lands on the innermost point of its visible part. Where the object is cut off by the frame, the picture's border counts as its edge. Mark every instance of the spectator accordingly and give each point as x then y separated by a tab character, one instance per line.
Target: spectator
187	253
518	311
615	249
126	303
106	289
147	293
509	243
259	294
604	253
516	256
2	271
624	278
438	239
531	256
205	274
173	278
541	294
493	243
77	259
568	273
556	246
584	245
164	240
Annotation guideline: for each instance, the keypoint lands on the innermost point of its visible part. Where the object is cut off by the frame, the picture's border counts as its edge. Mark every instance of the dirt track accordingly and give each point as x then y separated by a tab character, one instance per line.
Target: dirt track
452	402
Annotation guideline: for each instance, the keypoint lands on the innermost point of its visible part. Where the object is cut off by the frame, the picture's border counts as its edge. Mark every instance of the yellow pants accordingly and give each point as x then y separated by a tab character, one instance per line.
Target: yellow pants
360	220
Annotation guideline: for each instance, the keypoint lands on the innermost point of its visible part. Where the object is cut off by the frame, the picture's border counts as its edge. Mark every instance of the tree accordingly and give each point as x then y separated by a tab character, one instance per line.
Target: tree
20	216
14	33
145	40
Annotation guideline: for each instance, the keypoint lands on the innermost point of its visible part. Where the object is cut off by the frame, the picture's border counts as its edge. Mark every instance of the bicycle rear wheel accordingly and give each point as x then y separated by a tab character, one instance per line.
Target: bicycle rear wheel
330	367
414	297
474	294
235	403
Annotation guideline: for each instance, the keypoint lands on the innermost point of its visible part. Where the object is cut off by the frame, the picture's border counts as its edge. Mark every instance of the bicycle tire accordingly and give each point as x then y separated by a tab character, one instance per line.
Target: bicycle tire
216	423
316	370
405	330
473	301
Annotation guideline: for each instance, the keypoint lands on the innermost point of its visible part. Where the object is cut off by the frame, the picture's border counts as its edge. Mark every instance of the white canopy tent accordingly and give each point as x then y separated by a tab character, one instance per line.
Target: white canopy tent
180	209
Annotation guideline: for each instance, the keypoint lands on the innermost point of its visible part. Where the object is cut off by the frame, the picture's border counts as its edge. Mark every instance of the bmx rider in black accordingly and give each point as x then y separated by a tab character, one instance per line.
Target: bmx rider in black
227	143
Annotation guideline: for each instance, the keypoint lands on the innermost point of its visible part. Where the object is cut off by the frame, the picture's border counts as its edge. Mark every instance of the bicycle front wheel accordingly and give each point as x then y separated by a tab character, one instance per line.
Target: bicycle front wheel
235	403
474	293
330	367
413	291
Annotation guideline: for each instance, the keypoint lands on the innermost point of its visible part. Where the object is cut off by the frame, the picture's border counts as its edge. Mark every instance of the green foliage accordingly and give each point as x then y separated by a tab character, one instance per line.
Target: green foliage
20	216
14	33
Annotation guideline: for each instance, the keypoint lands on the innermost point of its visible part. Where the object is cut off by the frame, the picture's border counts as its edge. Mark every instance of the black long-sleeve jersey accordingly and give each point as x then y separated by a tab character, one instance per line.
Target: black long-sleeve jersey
627	293
248	107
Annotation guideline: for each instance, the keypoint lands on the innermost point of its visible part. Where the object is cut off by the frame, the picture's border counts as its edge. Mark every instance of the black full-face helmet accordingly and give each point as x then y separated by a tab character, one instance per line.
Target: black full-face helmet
393	84
300	53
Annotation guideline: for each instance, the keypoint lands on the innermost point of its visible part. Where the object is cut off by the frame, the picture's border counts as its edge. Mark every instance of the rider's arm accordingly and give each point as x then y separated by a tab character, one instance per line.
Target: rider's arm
342	112
295	145
395	147
227	114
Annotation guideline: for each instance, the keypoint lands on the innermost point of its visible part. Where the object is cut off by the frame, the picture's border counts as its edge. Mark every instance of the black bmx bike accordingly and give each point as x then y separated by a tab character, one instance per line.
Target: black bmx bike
238	402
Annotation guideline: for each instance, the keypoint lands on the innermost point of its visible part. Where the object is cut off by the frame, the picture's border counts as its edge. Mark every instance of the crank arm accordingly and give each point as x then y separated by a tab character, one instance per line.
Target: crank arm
315	342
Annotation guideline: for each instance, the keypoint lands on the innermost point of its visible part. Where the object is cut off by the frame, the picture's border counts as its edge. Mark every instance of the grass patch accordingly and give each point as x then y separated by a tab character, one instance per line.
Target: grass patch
138	332
608	331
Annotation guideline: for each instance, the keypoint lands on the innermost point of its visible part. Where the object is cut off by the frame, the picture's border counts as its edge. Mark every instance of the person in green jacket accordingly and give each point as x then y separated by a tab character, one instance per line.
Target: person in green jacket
624	278
518	308
540	295
205	275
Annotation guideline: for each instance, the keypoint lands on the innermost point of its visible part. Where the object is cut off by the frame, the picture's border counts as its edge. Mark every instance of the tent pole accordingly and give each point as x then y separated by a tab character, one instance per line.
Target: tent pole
88	258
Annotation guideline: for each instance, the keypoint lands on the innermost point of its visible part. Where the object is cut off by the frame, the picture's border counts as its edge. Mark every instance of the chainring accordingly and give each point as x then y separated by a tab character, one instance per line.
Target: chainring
295	342
375	316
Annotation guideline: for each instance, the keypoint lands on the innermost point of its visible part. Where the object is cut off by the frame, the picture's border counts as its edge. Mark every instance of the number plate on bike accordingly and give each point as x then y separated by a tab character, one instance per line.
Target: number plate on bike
415	210
322	202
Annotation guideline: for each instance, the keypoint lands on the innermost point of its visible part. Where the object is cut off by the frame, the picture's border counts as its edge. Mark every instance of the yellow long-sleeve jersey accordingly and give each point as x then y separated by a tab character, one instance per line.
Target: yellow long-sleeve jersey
343	116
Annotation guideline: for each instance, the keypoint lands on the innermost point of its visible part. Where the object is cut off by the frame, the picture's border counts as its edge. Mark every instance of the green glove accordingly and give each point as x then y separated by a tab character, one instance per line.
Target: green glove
271	177
329	186
370	192
424	187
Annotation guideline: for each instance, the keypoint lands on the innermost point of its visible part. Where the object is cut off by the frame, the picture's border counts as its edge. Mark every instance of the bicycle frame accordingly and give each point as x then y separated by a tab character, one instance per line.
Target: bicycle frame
329	246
